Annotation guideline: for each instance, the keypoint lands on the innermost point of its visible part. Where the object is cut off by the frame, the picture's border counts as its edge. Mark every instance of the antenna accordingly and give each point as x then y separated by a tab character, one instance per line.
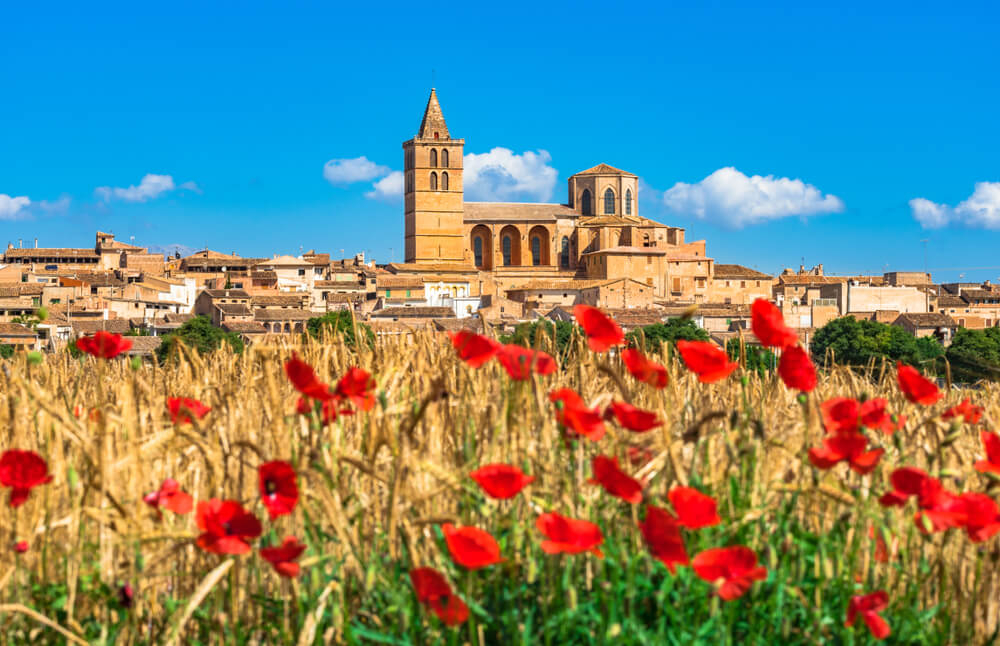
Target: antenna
925	241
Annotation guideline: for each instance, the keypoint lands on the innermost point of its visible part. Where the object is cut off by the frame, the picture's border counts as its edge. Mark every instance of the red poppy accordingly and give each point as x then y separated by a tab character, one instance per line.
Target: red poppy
875	416
181	409
840	415
970	413
849	447
304	379
434	591
601	330
21	547
662	534
707	361
473	349
940	509
615	481
694	509
796	369
917	388
303	406
501	480
634	419
471	547
169	497
991	442
736	568
358	386
638	455
982	516
278	490
569	535
331	409
225	526
103	345
573	414
868	606
283	557
644	369
22	471
519	362
881	548
769	327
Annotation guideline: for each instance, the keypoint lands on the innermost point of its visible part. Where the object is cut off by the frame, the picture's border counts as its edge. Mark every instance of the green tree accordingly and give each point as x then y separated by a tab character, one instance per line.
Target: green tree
338	323
6	351
855	342
975	355
670	332
200	334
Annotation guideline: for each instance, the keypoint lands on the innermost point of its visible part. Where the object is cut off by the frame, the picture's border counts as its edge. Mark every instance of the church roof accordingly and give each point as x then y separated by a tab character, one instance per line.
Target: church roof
604	169
515	211
433	120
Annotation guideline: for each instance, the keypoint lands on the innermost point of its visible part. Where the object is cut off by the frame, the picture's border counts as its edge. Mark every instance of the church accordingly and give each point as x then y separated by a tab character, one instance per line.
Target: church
593	248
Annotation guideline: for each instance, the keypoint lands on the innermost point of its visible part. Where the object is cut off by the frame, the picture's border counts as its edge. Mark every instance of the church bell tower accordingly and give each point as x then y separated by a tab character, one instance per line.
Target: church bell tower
432	163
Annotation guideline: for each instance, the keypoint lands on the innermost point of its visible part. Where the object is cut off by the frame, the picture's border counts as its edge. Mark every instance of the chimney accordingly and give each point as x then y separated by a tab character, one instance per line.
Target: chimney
36	243
20	243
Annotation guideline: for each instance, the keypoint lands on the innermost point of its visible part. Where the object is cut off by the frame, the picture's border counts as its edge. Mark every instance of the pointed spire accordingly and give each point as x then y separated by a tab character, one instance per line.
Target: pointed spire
433	121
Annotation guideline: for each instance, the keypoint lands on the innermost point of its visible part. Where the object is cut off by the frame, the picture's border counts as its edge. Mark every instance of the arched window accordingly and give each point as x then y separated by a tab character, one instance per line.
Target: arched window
585	202
628	202
536	251
564	253
444	181
444	157
434	158
609	202
477	250
288	328
434	181
505	244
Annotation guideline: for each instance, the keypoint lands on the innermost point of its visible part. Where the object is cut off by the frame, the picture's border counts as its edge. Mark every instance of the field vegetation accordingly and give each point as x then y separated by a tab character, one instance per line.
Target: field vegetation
382	481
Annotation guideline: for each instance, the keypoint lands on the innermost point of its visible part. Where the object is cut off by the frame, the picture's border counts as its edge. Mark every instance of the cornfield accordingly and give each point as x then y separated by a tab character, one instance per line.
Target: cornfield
376	486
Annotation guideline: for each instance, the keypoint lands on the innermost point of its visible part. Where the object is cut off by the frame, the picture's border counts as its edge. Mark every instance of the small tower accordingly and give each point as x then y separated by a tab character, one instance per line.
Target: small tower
432	163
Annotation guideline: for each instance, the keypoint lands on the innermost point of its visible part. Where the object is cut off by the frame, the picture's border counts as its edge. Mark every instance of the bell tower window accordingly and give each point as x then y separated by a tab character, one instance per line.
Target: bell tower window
444	157
444	181
434	158
434	181
628	202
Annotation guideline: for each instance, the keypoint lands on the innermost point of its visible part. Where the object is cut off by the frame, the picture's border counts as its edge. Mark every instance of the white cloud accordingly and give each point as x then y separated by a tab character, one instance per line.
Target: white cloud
348	171
190	186
151	187
732	199
502	175
387	189
980	210
54	206
10	207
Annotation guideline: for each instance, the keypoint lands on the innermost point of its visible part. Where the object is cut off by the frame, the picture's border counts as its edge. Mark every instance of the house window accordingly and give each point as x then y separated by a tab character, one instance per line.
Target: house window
477	250
434	158
564	253
505	245
444	158
585	202
628	202
677	284
609	202
649	260
302	272
444	181
434	181
407	293
388	293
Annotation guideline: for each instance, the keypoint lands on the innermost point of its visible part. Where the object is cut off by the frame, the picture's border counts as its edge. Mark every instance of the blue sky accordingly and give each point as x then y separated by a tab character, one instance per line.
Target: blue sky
835	119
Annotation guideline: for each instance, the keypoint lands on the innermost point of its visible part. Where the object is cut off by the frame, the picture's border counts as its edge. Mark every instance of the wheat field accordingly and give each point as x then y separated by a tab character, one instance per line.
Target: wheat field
375	486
